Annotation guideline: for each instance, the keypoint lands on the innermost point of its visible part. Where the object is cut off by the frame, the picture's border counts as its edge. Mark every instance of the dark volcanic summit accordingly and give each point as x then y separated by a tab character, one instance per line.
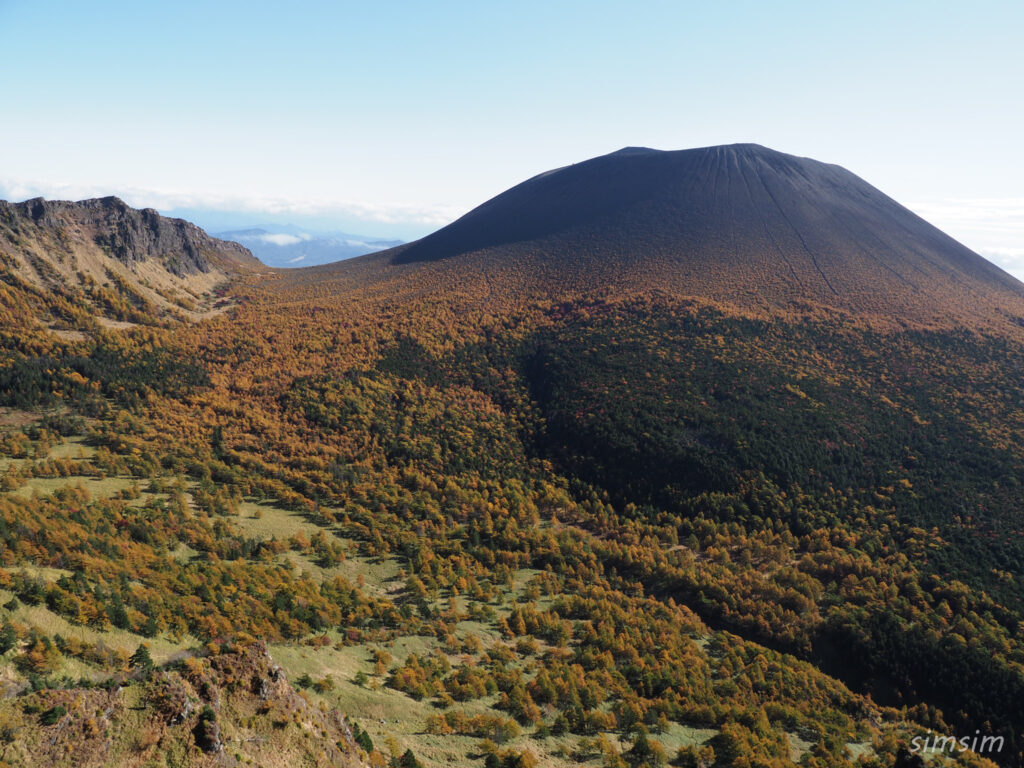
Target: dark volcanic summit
740	223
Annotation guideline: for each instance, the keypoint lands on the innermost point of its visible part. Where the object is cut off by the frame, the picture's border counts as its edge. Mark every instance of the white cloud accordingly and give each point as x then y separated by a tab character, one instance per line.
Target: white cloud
996	214
281	239
994	227
1006	253
296	260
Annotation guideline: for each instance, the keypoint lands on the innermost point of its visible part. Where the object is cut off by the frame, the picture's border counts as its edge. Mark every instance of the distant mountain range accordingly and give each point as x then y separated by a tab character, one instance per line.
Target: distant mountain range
288	246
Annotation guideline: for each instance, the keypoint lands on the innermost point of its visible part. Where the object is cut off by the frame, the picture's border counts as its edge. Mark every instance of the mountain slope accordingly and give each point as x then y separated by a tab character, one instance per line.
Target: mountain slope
544	503
741	223
104	259
800	402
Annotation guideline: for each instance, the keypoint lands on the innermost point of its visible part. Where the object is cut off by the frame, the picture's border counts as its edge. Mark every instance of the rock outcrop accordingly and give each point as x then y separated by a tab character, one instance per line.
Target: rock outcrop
234	705
71	265
133	235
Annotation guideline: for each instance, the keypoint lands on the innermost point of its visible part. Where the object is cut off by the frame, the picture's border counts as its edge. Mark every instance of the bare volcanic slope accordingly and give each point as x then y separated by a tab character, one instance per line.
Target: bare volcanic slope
740	223
113	261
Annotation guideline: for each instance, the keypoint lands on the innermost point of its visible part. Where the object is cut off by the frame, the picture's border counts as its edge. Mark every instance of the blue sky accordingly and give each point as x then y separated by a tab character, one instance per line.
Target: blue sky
392	118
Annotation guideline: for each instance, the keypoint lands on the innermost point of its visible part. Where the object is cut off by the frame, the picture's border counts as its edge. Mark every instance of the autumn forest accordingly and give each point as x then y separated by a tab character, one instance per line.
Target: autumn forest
470	511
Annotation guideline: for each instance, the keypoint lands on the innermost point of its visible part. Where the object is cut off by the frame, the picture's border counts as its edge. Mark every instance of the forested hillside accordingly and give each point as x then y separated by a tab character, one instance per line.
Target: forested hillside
504	518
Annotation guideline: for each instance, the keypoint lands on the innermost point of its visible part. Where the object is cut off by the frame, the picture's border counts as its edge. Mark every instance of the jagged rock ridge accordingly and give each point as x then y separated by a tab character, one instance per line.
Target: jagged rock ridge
133	235
69	263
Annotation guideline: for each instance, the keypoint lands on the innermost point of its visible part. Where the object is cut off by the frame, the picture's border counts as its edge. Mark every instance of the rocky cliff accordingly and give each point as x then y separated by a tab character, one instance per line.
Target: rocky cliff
66	262
132	235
